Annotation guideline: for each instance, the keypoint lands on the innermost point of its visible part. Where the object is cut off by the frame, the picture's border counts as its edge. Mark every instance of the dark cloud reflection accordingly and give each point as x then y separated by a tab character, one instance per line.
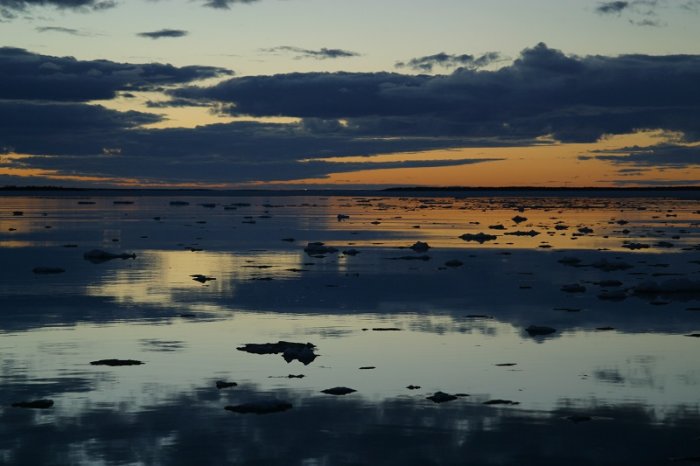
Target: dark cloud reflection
409	430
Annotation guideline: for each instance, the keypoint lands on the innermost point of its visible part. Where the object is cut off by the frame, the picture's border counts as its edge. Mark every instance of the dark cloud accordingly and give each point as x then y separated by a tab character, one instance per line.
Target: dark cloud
612	7
543	93
27	117
173	103
215	169
645	12
321	54
10	8
29	76
646	22
226	4
163	33
70	31
223	153
41	115
71	128
691	5
445	60
663	155
65	4
655	183
322	95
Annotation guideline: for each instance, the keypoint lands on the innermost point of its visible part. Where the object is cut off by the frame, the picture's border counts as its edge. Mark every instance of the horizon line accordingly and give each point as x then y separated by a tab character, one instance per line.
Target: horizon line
10	188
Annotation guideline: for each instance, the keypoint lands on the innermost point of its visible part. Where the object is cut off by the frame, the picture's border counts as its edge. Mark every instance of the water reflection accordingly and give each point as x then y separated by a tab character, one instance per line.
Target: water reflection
194	428
452	319
491	359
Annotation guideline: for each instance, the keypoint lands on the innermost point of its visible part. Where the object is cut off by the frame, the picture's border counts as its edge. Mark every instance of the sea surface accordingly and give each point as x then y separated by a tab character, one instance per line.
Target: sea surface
565	328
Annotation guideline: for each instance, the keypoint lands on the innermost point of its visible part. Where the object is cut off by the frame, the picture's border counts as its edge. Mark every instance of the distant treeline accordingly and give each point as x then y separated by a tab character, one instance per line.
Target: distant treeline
346	191
540	188
41	188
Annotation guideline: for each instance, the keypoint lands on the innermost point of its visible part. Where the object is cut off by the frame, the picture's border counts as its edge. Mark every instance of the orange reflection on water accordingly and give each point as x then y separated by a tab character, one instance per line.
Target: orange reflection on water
554	221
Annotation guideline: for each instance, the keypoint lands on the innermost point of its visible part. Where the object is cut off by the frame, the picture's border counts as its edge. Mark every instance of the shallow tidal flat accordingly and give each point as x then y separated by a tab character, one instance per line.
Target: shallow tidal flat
423	331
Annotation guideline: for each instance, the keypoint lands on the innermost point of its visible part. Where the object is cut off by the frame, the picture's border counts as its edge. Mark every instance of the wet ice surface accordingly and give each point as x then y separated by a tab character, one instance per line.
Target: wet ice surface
579	311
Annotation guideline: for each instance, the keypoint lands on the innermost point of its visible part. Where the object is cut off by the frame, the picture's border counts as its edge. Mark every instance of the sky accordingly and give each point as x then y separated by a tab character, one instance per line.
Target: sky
323	93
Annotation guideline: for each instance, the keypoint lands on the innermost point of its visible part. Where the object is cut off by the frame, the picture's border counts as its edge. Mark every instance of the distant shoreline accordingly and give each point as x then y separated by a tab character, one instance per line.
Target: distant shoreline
687	192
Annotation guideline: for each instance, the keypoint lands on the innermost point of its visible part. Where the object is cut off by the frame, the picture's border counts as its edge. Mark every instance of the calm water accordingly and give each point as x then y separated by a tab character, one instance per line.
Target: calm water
620	360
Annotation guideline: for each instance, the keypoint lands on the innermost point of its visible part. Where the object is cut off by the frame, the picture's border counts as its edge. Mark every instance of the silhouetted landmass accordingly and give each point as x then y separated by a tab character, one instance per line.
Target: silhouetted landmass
341	191
39	188
542	188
